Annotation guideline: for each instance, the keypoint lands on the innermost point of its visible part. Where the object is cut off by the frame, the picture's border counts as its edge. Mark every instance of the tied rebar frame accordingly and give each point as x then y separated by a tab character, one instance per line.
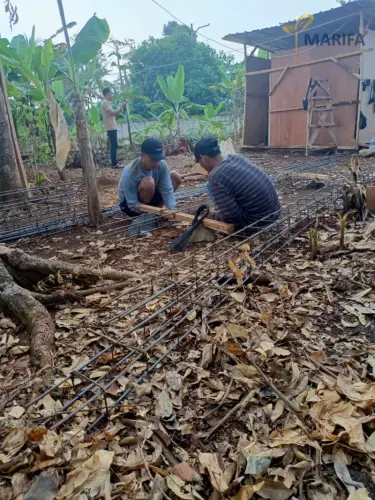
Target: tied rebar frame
25	212
193	289
55	208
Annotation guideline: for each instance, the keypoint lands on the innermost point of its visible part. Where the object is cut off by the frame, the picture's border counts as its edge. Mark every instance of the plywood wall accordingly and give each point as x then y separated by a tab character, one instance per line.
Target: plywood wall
256	103
368	110
288	120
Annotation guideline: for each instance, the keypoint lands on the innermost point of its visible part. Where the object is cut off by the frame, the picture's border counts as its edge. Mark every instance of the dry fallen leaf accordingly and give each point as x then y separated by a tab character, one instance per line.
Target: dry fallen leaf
92	476
50	444
274	490
247	492
237	272
360	494
164	407
278	410
176	485
14	441
238	331
20	484
44	486
16	412
207	354
209	462
238	297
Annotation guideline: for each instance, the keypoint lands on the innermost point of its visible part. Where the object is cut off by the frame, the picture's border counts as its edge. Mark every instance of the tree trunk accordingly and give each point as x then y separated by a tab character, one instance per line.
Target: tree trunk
62	175
87	160
20	305
9	176
17	153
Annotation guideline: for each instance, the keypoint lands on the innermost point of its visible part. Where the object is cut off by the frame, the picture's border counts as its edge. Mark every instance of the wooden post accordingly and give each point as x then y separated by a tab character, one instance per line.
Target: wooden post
269	108
361	32
17	152
127	103
245	103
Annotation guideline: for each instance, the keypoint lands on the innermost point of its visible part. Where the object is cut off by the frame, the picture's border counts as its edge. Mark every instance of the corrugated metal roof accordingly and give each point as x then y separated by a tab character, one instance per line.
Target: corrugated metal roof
341	20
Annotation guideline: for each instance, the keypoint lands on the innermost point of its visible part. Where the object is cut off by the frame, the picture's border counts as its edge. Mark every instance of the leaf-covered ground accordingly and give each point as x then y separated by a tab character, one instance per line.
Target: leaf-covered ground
270	395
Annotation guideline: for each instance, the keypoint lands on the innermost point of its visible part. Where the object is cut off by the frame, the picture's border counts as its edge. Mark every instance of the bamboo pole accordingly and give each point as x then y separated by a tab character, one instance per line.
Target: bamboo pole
20	165
127	103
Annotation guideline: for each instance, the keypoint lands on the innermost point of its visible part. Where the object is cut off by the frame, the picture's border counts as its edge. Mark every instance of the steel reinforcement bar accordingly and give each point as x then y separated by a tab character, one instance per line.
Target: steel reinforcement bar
57	208
195	294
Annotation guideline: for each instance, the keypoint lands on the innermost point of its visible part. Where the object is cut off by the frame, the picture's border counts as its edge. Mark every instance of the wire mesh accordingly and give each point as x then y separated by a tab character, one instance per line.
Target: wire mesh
194	287
46	210
38	210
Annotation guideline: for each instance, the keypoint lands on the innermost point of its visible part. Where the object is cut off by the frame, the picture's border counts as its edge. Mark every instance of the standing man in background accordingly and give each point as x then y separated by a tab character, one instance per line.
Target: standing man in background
110	125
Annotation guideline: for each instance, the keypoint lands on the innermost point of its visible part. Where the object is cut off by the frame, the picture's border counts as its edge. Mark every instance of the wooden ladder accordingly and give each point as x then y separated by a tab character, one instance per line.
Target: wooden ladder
320	114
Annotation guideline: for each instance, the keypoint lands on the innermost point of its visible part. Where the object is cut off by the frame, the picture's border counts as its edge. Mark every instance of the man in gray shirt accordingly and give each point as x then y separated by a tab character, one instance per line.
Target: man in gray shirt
243	193
148	180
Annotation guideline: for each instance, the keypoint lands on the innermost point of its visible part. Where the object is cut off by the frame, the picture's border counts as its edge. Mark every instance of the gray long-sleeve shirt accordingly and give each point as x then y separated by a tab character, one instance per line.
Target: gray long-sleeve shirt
132	175
243	193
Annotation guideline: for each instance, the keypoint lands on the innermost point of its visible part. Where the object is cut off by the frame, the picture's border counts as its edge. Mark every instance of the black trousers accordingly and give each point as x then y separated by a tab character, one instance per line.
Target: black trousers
112	146
156	201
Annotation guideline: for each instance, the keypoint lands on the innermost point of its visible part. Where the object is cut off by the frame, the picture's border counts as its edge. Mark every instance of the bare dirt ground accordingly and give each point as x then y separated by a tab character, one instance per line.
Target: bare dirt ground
209	404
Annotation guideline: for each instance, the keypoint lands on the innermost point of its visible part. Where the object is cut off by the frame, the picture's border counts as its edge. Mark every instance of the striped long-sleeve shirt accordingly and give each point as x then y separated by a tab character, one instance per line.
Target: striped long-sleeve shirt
243	193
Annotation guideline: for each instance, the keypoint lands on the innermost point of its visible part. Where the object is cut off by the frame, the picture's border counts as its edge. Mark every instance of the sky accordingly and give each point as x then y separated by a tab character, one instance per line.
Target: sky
139	19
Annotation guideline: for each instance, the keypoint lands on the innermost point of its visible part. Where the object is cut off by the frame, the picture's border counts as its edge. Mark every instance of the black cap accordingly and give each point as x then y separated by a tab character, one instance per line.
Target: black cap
153	148
208	146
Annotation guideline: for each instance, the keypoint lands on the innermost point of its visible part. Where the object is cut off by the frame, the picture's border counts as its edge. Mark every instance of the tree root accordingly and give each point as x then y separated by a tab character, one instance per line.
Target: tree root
22	261
22	307
62	296
19	270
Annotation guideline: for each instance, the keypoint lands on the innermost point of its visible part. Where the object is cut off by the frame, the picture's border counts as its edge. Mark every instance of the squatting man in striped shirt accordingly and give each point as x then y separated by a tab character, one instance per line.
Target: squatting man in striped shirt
148	180
243	193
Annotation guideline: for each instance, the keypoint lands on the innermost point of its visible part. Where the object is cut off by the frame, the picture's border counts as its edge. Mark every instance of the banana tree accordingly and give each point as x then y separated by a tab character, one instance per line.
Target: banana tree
209	125
173	89
85	48
232	85
32	78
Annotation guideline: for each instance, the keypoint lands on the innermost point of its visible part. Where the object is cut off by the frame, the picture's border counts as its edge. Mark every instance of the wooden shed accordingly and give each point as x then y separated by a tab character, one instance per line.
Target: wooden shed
316	93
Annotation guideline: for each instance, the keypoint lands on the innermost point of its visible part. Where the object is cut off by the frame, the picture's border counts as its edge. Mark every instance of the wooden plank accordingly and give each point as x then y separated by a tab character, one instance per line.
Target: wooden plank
300	108
279	80
311	175
360	90
309	63
346	68
319	125
256	107
290	127
221	227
